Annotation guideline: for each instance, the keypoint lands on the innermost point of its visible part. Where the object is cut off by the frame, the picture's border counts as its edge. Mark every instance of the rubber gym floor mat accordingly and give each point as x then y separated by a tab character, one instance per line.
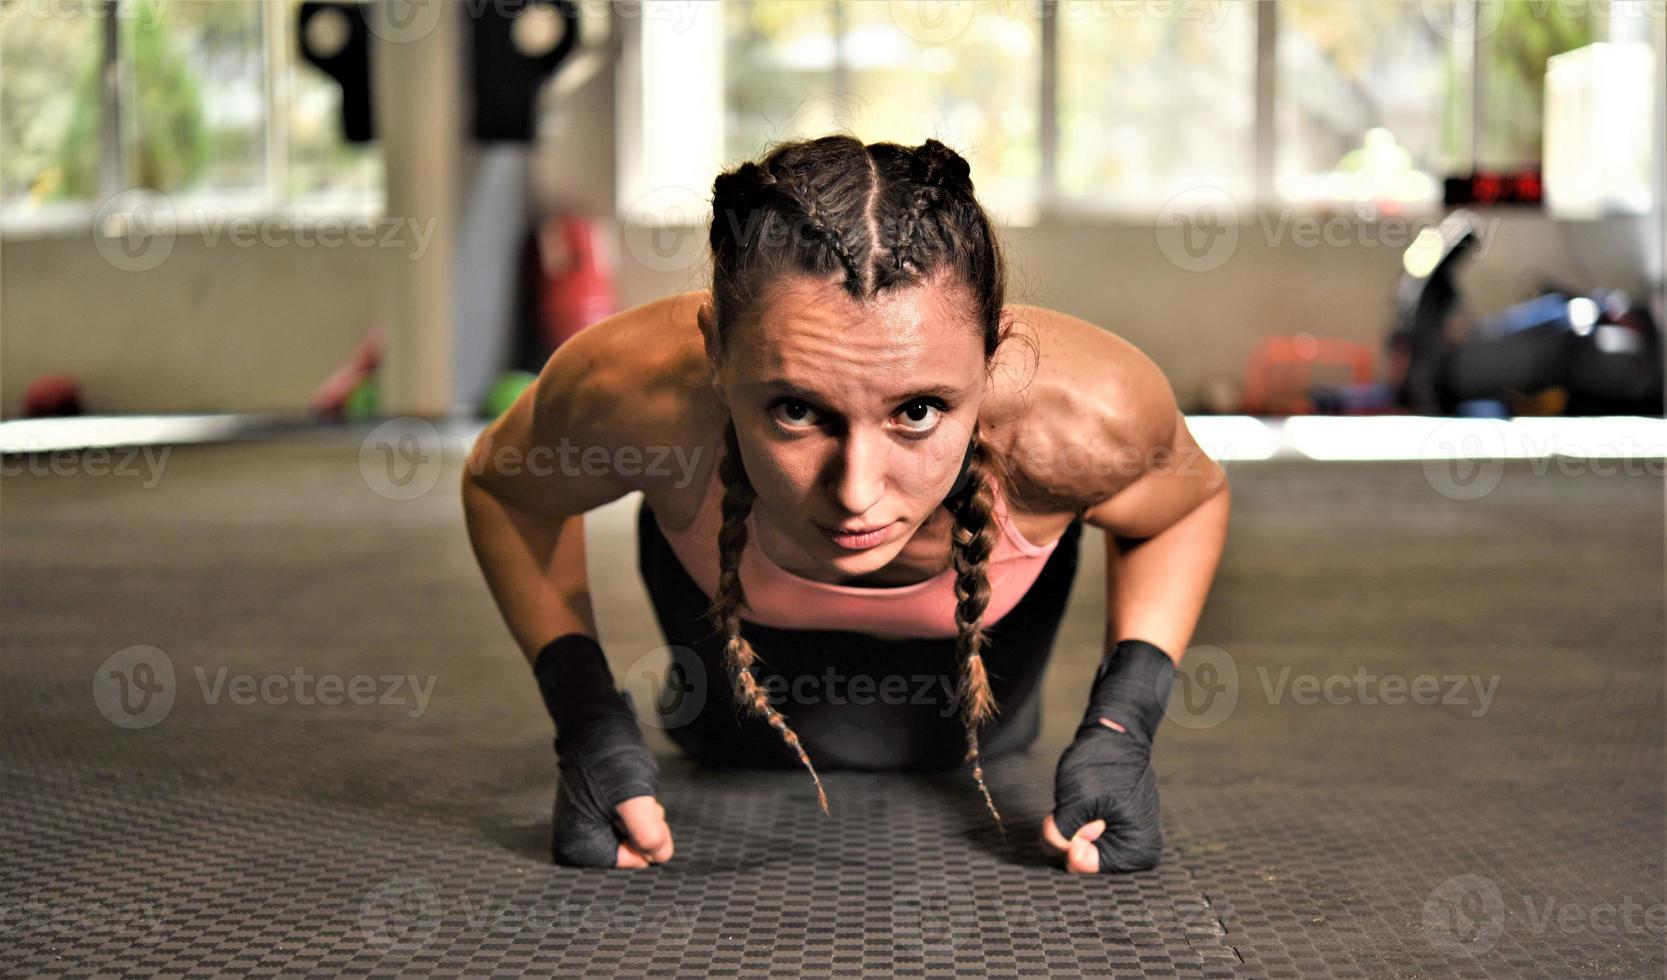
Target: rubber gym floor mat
249	828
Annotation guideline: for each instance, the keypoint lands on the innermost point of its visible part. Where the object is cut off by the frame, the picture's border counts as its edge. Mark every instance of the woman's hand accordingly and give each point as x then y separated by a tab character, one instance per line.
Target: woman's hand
1106	793
607	814
1106	816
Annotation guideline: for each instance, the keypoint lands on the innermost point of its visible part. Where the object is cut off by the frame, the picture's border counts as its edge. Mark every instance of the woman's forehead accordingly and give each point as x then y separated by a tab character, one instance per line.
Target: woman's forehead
799	309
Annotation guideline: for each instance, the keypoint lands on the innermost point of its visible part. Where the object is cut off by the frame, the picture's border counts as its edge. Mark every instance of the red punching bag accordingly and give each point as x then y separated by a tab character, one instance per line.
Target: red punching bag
578	287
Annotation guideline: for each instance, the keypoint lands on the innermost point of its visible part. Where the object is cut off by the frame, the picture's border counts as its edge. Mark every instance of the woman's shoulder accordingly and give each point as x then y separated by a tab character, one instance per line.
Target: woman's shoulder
1079	411
641	390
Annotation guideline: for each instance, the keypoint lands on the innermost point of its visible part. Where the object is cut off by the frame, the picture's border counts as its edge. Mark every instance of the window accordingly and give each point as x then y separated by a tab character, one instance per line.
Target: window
975	91
1150	105
320	164
778	71
211	100
1371	103
193	104
1084	105
48	113
1513	57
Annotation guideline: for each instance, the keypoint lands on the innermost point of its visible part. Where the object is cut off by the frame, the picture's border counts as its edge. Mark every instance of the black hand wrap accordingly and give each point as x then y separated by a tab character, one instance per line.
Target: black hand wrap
1108	774
603	759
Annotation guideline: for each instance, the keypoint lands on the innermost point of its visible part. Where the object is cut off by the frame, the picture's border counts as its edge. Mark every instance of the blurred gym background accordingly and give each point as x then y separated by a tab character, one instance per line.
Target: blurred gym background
286	209
1401	262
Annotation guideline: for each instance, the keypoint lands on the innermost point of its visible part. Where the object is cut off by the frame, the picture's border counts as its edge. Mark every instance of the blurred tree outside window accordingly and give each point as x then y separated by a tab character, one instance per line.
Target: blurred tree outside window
193	98
1372	102
201	105
796	68
975	91
44	154
1152	104
778	73
1523	37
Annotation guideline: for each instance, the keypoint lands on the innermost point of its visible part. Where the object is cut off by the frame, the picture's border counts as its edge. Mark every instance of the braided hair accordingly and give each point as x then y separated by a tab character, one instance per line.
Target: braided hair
881	217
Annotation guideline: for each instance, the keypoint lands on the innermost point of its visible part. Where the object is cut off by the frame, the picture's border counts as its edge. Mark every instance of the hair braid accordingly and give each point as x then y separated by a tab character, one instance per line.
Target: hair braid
724	613
973	539
902	253
806	200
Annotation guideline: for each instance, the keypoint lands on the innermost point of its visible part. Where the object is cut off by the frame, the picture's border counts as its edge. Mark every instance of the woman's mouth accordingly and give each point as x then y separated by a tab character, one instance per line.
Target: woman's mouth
858	541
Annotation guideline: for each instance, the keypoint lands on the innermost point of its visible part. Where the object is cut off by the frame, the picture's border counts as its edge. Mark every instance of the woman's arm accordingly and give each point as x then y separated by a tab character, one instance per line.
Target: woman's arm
524	505
1108	437
1164	537
534	566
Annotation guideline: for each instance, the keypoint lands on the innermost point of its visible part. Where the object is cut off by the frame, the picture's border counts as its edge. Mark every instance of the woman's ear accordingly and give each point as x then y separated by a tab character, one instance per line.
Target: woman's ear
708	321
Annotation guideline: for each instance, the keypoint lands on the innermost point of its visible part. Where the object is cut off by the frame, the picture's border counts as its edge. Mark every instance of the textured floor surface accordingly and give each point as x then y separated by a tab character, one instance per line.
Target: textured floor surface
1418	735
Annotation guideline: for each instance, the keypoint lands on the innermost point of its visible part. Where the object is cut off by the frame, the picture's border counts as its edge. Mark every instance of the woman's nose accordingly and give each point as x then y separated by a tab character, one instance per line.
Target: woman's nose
860	473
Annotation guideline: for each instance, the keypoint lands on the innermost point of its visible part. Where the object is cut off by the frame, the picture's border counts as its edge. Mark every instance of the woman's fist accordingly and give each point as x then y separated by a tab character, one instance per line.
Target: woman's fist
607	814
1106	815
1106	800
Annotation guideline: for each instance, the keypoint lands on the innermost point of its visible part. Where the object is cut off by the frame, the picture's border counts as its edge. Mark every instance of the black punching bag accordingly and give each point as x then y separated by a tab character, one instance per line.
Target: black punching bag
336	38
517	45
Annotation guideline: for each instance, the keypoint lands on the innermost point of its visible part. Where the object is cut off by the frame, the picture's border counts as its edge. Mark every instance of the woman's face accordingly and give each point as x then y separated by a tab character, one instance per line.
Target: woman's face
853	416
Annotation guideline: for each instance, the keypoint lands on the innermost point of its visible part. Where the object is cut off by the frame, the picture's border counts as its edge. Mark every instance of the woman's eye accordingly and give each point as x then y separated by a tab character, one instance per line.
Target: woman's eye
794	414
920	416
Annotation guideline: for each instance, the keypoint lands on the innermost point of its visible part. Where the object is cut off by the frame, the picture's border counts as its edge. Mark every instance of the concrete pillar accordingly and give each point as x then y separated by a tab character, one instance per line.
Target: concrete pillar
417	71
